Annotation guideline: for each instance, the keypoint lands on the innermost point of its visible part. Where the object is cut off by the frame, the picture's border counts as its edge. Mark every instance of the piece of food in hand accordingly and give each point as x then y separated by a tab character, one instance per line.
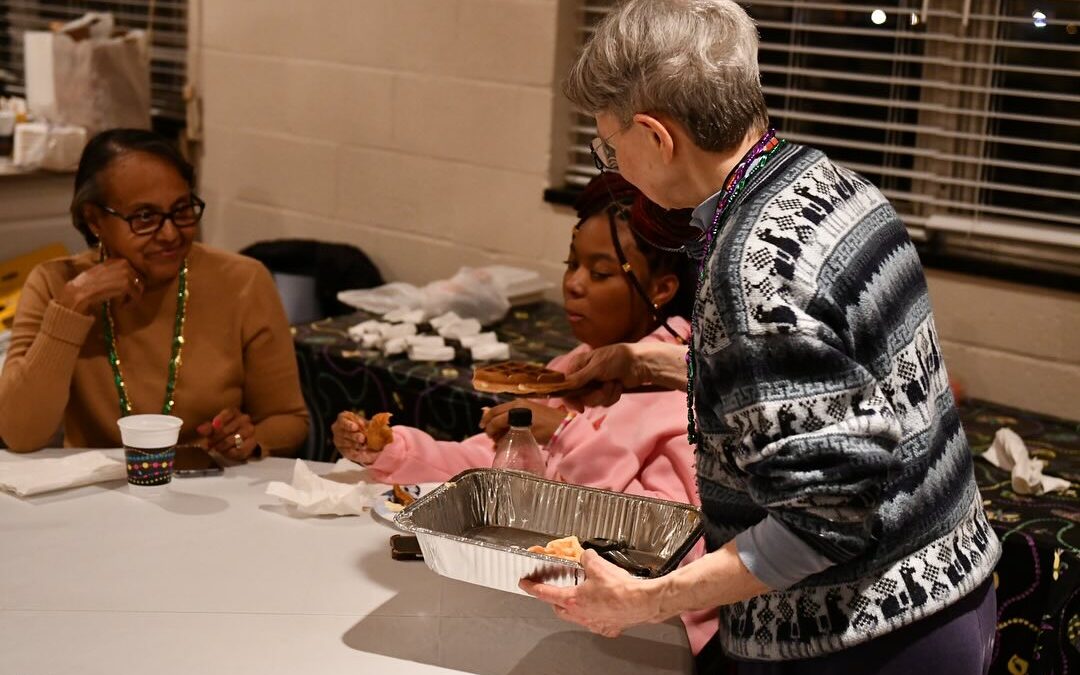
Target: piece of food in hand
516	377
378	432
568	548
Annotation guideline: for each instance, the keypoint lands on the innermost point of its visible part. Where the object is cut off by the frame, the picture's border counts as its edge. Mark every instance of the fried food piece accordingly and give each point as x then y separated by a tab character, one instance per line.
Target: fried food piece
402	496
515	377
568	548
378	432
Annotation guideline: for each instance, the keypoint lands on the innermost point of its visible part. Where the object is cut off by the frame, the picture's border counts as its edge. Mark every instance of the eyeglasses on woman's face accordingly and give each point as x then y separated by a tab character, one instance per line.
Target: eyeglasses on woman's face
603	153
148	221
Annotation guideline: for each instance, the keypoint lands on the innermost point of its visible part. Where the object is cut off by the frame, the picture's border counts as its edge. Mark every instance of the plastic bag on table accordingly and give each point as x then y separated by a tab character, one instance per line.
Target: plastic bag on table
471	294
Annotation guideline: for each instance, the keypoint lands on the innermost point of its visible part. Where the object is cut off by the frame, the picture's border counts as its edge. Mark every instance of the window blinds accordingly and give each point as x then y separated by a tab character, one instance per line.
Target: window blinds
966	113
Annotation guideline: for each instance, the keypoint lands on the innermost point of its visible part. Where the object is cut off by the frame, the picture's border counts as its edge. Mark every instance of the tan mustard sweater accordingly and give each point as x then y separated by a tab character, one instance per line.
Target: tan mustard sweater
238	352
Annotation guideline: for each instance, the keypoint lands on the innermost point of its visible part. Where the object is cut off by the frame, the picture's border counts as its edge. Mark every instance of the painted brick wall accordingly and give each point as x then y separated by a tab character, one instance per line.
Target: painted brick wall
418	130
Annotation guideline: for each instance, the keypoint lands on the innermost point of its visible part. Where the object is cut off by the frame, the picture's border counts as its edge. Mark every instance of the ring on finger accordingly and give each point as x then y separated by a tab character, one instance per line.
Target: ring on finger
238	441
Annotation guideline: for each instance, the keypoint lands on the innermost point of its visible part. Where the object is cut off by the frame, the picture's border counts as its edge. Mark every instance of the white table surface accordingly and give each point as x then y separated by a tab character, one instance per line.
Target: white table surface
215	576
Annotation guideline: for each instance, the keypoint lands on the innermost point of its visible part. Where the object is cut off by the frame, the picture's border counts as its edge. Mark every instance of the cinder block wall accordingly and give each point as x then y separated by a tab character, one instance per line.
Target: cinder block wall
418	130
421	131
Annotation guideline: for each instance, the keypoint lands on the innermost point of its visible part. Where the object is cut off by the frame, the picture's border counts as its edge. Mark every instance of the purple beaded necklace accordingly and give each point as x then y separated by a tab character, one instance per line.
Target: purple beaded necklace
755	158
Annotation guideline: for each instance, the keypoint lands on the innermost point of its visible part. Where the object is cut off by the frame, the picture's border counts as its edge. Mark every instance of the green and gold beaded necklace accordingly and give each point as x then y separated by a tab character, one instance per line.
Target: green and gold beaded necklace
174	359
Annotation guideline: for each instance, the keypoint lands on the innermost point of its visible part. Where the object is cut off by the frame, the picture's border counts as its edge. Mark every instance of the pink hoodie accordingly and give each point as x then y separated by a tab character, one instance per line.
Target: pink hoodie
637	446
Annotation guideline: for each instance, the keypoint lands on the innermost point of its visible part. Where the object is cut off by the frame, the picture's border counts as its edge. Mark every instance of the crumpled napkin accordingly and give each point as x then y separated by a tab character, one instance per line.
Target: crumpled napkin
34	476
336	493
1009	452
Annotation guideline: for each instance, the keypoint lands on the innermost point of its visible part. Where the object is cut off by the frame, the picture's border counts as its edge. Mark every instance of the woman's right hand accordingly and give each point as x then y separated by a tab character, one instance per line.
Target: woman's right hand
113	279
598	377
350	439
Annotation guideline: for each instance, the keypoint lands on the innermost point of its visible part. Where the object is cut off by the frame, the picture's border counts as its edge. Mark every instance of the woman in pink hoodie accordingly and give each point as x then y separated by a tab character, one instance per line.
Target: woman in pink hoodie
616	288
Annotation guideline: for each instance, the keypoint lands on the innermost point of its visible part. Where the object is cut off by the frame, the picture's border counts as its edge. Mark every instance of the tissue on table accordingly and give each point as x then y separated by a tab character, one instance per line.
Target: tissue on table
404	315
1009	452
478	339
424	340
365	328
27	477
312	495
394	330
397	345
444	320
371	341
460	329
427	353
492	351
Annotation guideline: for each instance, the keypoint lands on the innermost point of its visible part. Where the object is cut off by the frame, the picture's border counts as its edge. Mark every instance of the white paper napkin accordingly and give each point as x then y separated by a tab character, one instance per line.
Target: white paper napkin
488	338
404	315
460	329
444	320
313	495
393	330
34	476
490	351
1009	452
371	326
431	353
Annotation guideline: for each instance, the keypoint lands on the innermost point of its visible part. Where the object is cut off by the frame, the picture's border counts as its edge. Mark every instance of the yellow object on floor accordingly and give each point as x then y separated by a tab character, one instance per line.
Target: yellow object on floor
13	274
8	303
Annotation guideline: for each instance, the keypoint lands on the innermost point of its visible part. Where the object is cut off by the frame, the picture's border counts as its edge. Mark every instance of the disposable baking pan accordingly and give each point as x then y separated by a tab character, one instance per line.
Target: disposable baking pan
477	527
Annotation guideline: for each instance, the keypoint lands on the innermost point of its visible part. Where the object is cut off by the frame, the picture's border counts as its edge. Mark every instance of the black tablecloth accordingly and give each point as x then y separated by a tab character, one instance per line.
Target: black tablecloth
336	374
1037	579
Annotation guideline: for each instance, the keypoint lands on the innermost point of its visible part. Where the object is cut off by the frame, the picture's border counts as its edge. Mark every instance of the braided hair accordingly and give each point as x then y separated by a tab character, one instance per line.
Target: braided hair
610	190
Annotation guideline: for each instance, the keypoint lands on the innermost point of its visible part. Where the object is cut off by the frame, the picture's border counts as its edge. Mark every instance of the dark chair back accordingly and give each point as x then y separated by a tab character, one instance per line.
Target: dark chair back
334	268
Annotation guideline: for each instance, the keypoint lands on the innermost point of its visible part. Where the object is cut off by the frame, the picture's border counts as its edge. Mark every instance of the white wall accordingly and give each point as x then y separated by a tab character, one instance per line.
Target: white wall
1010	343
420	130
34	212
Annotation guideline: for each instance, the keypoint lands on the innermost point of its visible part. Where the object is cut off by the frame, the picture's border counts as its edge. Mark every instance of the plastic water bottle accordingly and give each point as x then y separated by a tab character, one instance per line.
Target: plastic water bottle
517	449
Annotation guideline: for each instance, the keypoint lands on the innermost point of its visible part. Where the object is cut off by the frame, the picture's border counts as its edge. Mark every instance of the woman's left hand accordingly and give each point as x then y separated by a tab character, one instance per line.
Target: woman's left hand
545	420
608	602
231	433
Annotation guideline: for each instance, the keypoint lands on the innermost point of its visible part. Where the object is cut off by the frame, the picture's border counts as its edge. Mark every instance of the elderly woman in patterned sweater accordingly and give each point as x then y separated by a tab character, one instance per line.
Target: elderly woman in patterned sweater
845	528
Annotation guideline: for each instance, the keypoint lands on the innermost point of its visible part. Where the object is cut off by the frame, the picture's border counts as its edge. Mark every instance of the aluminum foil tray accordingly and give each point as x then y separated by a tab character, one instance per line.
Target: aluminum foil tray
476	527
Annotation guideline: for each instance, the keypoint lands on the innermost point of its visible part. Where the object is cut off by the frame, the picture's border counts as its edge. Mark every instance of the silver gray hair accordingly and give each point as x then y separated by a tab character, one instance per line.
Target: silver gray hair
695	60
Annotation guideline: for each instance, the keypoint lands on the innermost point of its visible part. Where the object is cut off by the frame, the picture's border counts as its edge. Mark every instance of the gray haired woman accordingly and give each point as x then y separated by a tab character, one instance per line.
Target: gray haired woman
845	528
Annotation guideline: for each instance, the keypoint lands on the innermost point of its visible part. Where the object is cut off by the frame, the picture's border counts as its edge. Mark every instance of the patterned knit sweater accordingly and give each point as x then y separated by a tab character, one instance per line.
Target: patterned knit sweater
823	404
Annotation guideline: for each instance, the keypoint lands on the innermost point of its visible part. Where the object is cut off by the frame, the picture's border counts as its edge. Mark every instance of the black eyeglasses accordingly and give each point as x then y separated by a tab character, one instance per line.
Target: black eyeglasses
603	154
147	221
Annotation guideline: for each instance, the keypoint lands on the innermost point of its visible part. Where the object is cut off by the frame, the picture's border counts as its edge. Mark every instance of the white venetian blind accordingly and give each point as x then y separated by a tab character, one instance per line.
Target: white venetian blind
168	55
966	113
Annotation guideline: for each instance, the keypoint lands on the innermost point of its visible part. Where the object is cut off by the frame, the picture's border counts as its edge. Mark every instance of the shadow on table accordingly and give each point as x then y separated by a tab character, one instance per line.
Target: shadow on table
452	624
188	504
529	646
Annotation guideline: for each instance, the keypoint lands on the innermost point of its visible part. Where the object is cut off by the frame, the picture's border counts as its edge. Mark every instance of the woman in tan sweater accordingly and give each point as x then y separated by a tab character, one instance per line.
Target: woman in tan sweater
148	321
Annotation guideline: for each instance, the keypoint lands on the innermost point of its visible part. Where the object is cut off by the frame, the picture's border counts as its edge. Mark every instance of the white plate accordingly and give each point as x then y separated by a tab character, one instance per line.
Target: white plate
381	508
